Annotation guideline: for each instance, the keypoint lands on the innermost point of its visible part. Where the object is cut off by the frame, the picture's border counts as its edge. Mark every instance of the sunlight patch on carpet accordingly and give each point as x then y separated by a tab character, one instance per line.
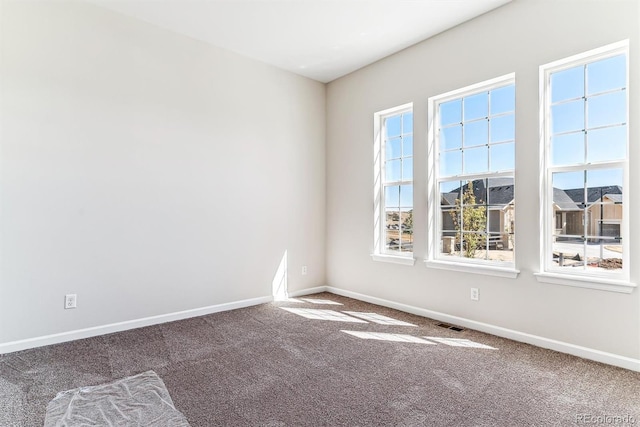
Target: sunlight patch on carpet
320	301
378	318
383	336
460	342
334	316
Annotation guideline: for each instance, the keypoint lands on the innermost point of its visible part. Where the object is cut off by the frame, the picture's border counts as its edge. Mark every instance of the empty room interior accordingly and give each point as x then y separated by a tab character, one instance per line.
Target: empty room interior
319	212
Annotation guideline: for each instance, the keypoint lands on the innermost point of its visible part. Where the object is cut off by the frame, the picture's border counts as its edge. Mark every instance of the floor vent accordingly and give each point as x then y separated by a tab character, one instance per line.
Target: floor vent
448	326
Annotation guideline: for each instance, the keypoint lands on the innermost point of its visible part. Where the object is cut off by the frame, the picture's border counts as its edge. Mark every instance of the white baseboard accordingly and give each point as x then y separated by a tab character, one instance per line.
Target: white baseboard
563	347
13	346
308	291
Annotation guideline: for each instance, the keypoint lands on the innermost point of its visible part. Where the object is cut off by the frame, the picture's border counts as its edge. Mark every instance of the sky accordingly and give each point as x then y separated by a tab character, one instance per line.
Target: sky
477	133
588	121
484	126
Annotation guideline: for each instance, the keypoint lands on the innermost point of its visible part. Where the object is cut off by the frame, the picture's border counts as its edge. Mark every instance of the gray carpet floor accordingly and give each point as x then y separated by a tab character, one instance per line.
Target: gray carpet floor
269	366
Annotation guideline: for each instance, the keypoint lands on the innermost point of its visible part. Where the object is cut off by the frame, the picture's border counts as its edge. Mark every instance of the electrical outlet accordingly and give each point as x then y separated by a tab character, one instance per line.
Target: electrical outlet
475	294
70	301
304	270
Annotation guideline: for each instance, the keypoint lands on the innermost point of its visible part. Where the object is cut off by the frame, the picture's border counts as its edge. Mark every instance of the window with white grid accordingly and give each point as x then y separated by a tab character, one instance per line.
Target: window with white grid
585	145
393	177
472	192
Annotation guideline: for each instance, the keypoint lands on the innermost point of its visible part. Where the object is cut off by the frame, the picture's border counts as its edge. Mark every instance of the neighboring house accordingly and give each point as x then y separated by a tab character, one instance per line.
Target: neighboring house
496	197
603	209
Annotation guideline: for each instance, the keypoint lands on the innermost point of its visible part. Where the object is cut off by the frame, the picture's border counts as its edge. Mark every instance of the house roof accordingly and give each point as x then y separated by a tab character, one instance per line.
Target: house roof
501	194
449	198
563	201
616	198
593	193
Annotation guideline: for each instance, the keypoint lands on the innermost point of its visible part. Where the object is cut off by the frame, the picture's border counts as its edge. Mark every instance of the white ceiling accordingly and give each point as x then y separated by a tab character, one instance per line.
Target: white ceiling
320	39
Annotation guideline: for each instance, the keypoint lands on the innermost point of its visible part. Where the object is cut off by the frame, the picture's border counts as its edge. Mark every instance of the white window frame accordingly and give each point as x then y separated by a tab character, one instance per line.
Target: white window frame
434	222
609	281
380	253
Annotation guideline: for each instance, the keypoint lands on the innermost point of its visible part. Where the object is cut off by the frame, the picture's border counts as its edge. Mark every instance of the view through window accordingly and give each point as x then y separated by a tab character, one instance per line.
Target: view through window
396	177
475	142
586	156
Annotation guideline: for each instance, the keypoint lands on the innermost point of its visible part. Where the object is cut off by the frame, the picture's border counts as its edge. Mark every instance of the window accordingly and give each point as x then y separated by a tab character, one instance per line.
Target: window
584	191
393	217
472	188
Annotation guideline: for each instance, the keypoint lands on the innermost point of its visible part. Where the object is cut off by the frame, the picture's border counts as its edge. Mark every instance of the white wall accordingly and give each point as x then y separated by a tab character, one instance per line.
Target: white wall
518	37
147	172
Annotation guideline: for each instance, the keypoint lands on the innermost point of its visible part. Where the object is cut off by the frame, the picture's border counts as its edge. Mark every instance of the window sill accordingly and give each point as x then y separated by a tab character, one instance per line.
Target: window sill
488	270
395	259
590	282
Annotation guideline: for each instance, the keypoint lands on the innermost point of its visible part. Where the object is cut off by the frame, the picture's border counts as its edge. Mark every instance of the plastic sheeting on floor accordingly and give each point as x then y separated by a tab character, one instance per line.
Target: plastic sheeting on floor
140	400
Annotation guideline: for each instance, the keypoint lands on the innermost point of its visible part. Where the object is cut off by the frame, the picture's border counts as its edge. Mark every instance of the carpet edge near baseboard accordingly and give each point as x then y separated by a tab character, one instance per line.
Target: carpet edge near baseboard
538	341
41	341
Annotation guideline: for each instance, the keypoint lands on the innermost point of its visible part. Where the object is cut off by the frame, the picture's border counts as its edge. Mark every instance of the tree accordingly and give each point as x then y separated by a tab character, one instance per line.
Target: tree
470	222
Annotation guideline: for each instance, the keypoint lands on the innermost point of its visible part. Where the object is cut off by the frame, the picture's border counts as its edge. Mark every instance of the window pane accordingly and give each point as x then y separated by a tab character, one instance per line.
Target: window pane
502	156
567	84
392	125
472	242
501	247
609	178
567	149
476	133
392	169
568	190
449	206
451	163
406	196
494	217
450	186
500	192
609	109
476	160
450	219
567	117
407	145
451	137
392	229
392	196
407	123
474	211
568	253
407	169
392	148
451	112
503	128
406	238
607	144
449	240
503	99
607	74
475	106
479	189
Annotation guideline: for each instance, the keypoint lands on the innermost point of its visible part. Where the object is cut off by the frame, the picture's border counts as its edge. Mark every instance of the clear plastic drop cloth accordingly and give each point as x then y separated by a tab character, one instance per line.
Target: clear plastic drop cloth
140	400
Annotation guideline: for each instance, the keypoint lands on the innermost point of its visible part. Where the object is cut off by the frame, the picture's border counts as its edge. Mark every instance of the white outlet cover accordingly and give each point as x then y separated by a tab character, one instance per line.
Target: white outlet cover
70	301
